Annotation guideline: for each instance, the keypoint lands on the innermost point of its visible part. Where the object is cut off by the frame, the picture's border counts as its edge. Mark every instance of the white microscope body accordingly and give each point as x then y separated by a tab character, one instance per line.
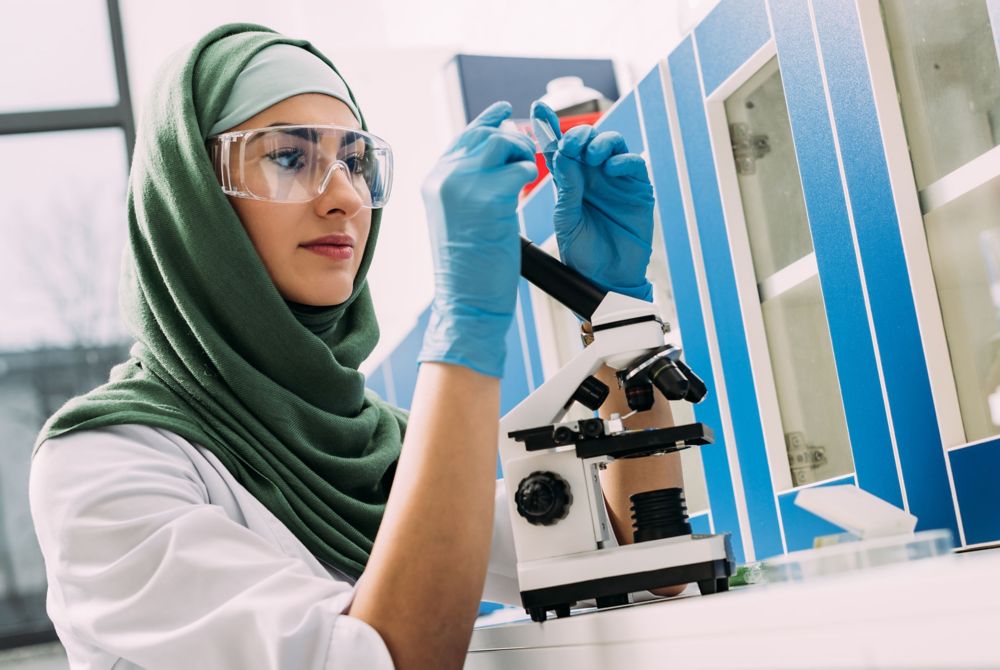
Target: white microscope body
565	545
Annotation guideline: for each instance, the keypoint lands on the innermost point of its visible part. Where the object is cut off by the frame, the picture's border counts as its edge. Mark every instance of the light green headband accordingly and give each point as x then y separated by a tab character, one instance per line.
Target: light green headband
275	73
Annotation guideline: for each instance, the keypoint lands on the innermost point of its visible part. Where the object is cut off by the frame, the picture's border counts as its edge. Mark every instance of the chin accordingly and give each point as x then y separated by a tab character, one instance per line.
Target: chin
322	302
325	299
317	298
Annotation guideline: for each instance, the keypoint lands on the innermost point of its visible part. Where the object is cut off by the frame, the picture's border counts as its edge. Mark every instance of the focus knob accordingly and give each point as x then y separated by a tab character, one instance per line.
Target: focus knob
543	498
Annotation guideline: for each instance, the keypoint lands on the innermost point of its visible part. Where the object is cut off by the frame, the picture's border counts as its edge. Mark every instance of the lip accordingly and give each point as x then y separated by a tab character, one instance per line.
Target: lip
339	240
338	247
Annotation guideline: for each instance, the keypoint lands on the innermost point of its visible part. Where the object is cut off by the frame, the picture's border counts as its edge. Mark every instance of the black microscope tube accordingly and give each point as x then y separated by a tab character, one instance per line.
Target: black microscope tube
560	281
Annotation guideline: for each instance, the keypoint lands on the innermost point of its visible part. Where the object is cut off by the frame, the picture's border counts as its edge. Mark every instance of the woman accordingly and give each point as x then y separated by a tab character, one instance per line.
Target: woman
223	501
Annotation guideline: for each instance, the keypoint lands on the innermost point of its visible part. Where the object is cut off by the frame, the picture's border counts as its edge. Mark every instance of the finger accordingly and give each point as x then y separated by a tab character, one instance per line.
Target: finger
547	155
540	112
516	175
575	140
626	165
469	139
472	138
606	144
568	175
521	139
493	115
502	148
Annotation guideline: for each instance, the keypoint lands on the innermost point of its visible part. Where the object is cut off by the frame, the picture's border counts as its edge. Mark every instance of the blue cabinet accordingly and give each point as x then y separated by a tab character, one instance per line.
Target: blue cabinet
809	294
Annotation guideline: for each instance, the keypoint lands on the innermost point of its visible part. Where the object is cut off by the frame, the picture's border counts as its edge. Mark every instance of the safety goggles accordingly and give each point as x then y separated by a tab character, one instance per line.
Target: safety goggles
297	163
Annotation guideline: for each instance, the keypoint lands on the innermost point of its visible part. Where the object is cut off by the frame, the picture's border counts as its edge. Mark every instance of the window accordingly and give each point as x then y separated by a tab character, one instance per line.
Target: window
66	132
57	55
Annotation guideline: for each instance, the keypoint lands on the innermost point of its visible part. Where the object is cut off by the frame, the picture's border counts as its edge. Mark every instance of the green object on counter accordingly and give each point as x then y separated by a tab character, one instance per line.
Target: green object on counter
745	575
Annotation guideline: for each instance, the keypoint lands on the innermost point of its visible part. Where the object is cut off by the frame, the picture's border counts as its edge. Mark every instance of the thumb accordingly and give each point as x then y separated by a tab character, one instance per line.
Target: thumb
492	116
568	175
516	175
503	148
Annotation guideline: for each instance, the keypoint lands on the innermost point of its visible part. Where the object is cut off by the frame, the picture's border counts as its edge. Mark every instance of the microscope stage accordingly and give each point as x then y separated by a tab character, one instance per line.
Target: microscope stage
627	559
610	575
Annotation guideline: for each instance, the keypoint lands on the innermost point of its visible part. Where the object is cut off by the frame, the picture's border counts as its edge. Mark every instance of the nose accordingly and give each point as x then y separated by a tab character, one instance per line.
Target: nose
337	193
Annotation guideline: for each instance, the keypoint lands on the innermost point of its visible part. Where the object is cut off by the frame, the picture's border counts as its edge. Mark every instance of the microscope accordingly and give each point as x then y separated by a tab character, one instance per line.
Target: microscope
563	538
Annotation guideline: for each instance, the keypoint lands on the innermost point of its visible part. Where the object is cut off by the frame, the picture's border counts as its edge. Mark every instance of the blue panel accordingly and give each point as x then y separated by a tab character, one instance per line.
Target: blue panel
536	212
404	361
486	607
718	475
757	485
625	119
531	335
514	385
700	526
376	382
889	293
853	348
802	527
728	36
975	473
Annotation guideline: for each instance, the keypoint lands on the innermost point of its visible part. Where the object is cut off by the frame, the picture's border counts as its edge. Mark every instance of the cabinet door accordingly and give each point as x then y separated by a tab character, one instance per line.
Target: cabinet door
821	362
800	367
939	61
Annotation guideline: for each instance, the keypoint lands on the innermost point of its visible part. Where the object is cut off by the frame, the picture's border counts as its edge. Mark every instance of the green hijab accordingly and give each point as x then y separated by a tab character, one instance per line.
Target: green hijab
270	387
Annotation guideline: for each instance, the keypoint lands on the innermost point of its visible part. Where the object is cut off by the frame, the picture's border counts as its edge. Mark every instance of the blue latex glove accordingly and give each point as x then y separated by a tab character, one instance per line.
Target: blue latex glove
471	201
604	207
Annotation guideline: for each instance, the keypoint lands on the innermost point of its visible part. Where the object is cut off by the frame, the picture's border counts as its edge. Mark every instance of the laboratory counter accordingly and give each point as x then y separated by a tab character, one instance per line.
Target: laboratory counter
935	613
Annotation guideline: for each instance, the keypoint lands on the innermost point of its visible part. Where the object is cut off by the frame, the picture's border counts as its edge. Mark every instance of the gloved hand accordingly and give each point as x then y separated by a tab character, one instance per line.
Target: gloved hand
471	201
604	207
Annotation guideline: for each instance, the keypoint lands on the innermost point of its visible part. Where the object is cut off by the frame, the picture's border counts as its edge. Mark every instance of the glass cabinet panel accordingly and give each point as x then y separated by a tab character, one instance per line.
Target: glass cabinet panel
805	376
798	339
944	56
964	241
768	173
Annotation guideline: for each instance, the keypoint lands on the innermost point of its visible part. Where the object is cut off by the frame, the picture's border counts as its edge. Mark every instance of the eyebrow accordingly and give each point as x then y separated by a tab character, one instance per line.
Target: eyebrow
350	137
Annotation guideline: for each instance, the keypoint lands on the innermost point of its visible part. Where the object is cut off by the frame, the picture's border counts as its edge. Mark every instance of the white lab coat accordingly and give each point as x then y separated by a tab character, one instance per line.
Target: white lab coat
158	558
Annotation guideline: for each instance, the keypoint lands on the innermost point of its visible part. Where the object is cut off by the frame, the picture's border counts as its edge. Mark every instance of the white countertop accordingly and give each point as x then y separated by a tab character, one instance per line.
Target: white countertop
934	613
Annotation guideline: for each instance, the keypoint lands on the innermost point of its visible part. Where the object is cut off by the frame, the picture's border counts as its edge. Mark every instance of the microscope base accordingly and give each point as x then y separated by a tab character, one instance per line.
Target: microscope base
711	573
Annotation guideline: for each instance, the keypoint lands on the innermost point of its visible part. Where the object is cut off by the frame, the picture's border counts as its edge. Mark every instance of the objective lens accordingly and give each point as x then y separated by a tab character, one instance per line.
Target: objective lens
639	395
665	375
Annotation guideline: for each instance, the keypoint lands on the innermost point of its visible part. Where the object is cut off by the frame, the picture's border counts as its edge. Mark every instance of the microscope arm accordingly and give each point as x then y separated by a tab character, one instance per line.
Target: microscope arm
615	347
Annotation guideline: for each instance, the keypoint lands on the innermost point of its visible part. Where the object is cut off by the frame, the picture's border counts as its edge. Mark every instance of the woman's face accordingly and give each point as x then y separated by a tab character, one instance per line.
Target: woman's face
279	231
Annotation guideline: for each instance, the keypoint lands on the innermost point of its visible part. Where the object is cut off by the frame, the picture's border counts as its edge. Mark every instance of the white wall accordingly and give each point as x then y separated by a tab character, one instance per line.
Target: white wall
392	54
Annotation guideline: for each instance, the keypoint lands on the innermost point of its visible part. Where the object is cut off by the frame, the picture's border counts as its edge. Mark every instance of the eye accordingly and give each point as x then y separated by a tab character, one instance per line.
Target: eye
356	163
288	158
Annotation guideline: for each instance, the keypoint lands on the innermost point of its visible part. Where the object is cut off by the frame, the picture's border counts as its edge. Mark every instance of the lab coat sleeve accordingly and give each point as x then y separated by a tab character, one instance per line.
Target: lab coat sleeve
146	569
